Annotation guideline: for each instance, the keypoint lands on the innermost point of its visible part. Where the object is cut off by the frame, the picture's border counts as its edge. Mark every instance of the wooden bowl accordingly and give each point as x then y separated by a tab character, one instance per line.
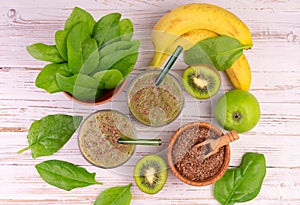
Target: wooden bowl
106	97
207	181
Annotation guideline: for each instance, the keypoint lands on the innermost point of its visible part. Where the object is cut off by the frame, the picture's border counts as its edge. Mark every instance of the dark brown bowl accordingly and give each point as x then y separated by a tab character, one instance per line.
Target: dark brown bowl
210	180
106	97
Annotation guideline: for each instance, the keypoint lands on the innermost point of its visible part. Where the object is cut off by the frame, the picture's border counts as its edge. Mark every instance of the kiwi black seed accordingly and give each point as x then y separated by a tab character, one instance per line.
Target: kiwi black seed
150	174
201	81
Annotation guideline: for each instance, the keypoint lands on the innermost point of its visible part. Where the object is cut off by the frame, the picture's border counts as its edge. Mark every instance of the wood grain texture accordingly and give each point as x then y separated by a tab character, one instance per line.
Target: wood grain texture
274	60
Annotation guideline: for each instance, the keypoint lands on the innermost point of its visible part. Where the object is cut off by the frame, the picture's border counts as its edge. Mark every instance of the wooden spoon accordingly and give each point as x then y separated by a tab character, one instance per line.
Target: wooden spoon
213	145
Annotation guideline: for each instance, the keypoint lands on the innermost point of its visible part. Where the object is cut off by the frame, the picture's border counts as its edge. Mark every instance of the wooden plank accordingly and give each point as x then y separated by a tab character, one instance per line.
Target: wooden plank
278	188
23	98
271	25
274	61
278	154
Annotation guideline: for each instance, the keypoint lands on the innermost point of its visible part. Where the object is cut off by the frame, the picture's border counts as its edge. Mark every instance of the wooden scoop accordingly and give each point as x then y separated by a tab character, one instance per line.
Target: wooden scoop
213	145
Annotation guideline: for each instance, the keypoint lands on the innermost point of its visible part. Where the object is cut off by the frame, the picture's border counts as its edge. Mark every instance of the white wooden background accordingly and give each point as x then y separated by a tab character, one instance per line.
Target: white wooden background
275	63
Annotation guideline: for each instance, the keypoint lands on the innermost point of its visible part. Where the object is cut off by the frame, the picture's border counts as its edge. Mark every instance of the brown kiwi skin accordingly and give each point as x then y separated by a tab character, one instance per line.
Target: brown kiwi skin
198	93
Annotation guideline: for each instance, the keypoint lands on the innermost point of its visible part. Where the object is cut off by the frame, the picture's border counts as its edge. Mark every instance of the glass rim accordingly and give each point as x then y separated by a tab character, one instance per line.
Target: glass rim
79	131
131	83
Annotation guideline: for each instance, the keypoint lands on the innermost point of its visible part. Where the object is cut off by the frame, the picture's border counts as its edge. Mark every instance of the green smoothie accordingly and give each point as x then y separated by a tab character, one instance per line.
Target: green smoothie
98	137
155	106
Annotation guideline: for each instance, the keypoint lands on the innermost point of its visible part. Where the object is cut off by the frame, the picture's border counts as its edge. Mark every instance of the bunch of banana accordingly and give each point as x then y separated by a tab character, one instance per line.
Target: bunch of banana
188	24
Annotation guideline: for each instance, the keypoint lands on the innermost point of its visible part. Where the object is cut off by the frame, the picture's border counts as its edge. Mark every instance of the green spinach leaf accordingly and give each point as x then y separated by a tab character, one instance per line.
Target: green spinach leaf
90	56
243	183
106	28
111	29
113	34
61	42
82	87
78	15
47	135
114	47
74	45
45	52
109	79
107	61
126	29
46	79
125	65
85	48
119	195
65	175
220	51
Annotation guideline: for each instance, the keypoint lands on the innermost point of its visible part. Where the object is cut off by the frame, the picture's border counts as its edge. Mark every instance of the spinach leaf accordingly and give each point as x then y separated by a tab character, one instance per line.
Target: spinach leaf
103	28
61	42
78	15
119	195
65	175
243	183
113	34
74	46
125	65
82	87
46	79
85	47
111	29
108	79
109	60
47	135
90	56
45	52
126	29
220	51
114	47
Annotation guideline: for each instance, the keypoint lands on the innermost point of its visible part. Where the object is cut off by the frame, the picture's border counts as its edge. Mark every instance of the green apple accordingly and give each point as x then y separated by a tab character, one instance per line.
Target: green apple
237	110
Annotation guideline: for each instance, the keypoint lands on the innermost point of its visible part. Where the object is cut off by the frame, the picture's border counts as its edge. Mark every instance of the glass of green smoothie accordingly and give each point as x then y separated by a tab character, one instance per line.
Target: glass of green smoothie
155	105
98	138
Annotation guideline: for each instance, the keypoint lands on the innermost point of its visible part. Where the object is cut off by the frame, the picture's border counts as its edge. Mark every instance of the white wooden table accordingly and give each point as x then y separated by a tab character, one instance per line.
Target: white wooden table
275	64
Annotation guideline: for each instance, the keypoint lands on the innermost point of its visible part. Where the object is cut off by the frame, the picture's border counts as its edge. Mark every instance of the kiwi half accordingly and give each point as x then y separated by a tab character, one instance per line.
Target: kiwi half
150	174
201	81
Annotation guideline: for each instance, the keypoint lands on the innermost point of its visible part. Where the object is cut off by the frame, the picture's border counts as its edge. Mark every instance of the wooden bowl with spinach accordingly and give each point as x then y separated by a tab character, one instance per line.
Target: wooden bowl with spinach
90	60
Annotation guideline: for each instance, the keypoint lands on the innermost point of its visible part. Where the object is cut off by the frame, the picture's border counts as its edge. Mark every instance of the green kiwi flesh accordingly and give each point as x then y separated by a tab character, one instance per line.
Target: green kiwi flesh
201	81
150	174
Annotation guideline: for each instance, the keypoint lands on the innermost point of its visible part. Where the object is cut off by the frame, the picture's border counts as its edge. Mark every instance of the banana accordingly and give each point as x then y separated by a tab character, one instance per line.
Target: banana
196	16
239	74
187	40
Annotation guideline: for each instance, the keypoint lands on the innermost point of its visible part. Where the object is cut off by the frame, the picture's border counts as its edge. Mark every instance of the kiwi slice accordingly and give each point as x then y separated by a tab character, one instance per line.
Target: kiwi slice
201	81
150	174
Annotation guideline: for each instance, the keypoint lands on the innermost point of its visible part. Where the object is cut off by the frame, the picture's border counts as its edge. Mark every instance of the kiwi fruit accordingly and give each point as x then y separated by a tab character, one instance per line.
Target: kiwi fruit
201	81
150	174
